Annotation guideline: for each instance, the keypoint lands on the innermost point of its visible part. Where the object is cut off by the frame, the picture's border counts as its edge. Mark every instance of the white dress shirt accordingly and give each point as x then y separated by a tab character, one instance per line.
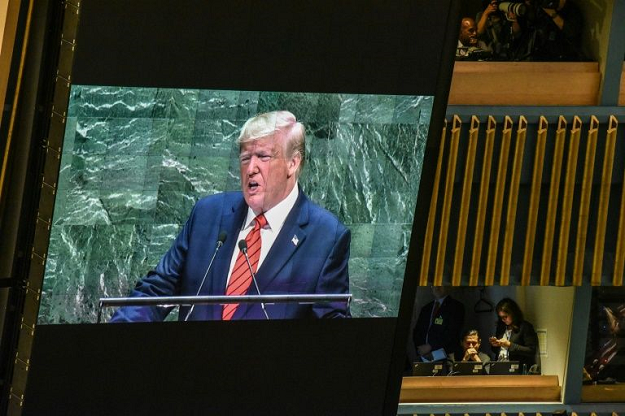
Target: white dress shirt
276	217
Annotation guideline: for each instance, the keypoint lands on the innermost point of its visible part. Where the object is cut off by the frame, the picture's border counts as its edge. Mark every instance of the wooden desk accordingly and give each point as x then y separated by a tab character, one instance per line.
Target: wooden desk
461	389
525	83
603	393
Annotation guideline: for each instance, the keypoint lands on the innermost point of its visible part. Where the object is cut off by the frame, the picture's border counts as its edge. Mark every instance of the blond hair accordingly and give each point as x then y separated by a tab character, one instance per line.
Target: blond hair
284	122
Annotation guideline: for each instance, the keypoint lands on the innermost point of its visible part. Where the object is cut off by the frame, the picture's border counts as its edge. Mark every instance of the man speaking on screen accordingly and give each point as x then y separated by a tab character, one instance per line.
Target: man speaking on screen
293	246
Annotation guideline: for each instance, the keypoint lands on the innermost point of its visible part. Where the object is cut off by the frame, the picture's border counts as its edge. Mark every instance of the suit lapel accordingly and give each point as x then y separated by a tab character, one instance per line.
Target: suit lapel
291	238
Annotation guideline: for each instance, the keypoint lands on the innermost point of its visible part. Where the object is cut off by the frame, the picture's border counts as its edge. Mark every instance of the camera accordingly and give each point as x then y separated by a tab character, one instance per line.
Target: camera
473	54
518	9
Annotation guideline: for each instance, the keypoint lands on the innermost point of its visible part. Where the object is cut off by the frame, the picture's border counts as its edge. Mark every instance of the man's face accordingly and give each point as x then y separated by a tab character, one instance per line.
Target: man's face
471	341
468	32
267	176
439	292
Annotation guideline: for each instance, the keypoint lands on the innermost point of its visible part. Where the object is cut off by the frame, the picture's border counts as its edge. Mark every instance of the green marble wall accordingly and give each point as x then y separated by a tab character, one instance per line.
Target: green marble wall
135	160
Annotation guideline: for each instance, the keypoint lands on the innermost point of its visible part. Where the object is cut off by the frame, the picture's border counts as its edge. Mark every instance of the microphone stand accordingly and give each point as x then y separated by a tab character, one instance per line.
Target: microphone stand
220	242
243	248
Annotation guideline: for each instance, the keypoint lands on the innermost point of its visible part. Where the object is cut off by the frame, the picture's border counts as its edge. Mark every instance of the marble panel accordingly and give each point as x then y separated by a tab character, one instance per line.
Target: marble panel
110	101
132	207
214	137
133	136
220	105
70	135
91	136
174	206
375	109
77	206
248	105
175	104
207	175
152	172
124	173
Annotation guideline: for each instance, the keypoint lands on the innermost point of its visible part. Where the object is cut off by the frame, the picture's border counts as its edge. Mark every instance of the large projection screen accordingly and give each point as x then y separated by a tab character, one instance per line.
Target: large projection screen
160	91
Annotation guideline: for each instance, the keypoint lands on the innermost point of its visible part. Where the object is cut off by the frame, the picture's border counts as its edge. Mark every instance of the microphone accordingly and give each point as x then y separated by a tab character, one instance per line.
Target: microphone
243	248
220	242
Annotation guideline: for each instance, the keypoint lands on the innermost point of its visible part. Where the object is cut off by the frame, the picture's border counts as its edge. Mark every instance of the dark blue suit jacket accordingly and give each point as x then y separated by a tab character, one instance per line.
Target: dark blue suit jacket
309	256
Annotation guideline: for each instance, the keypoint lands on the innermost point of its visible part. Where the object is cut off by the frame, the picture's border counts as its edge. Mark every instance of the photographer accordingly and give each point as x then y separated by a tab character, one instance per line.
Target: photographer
552	30
499	30
469	49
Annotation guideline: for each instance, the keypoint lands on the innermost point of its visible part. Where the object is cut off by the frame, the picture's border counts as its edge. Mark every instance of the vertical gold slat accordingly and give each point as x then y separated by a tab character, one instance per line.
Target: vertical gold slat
552	206
482	201
500	186
584	202
537	175
567	202
449	191
465	201
604	202
17	95
429	230
513	197
619	258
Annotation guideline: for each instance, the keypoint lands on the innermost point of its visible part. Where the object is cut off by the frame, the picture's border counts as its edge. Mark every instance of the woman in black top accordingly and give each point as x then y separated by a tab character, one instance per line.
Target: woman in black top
516	339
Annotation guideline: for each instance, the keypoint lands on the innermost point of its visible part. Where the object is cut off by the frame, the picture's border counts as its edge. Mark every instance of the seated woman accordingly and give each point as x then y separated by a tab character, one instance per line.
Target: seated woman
471	347
516	339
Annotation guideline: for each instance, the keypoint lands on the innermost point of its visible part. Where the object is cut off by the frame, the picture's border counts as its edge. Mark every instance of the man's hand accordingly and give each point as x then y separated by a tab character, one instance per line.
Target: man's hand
424	349
471	355
491	8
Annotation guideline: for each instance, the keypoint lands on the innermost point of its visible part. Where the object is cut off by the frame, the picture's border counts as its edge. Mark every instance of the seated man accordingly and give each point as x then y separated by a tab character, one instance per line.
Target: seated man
286	243
468	47
471	342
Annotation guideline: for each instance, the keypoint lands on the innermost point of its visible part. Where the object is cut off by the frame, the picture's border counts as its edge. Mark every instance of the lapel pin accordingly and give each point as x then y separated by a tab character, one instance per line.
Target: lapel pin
295	240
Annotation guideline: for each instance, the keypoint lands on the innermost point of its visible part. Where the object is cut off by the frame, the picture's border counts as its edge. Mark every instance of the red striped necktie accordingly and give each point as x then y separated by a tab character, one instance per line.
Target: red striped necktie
241	278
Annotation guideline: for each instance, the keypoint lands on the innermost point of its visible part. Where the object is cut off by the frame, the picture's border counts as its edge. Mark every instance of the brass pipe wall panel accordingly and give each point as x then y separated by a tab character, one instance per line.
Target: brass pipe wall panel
465	201
567	202
513	197
49	183
604	201
584	203
552	206
449	190
6	157
500	186
619	255
482	202
537	175
429	230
